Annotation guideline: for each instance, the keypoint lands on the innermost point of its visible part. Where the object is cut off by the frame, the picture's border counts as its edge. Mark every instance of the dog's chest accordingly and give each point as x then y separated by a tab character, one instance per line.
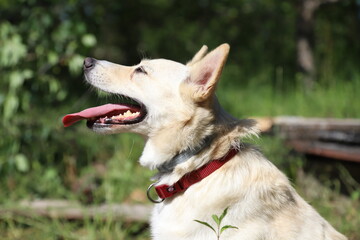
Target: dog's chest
175	218
178	224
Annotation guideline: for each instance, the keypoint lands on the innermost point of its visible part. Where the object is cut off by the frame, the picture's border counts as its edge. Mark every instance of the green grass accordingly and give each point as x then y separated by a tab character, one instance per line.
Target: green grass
40	228
337	100
108	165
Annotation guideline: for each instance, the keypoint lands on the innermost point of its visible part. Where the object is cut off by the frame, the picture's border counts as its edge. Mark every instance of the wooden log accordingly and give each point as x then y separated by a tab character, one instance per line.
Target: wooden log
334	138
267	124
62	209
331	150
323	123
339	130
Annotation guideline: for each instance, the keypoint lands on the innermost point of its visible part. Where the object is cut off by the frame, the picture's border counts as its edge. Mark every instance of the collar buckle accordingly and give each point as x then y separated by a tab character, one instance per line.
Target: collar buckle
159	200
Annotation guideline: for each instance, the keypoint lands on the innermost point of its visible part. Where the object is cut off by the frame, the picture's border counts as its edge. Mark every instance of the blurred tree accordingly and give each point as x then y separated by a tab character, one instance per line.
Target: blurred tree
42	48
305	39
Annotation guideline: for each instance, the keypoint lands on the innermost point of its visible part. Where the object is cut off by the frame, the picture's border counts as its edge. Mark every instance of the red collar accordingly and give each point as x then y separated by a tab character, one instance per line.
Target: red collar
166	191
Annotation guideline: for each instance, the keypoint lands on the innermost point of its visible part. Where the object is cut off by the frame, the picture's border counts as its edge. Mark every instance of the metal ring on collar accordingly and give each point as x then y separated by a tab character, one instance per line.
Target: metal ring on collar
160	200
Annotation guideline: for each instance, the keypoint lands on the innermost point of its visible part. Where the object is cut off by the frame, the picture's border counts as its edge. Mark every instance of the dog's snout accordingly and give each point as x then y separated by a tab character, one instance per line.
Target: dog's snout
89	63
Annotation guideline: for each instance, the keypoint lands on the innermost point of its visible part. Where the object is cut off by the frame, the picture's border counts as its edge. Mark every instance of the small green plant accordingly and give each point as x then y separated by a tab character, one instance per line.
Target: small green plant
218	219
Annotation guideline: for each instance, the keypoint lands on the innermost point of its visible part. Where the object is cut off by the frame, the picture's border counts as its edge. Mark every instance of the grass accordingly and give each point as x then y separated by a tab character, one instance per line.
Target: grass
335	100
110	169
40	228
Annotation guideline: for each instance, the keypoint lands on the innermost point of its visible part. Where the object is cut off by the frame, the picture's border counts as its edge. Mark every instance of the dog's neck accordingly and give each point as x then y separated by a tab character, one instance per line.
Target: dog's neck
209	137
169	166
227	121
221	118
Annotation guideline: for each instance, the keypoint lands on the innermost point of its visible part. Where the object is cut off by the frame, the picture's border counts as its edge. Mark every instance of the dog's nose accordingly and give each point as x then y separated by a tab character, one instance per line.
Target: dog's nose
89	63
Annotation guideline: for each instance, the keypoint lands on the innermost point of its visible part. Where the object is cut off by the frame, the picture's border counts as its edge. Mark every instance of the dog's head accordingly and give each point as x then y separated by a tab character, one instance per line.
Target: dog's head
153	94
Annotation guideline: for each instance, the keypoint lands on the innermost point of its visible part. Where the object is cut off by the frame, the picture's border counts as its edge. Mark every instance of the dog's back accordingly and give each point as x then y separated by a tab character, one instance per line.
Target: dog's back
262	205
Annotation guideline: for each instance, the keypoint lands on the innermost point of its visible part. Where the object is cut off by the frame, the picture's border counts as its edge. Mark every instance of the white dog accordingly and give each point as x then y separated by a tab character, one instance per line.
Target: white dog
203	165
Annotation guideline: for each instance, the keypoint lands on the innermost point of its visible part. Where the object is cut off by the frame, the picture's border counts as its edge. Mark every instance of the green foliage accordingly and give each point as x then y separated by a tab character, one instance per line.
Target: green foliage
218	220
41	45
333	100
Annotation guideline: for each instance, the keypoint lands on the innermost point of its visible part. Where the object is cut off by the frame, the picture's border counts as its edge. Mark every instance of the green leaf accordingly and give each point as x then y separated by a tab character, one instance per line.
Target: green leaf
53	58
216	219
16	79
54	85
223	214
75	64
355	195
11	105
50	174
206	224
28	73
227	227
88	40
21	162
12	50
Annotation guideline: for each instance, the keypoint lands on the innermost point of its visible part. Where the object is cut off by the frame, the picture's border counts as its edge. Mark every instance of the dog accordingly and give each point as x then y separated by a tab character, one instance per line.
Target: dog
203	165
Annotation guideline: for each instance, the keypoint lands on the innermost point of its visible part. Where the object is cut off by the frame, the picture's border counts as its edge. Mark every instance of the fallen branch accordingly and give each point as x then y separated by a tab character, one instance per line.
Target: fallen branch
332	150
327	137
62	209
268	124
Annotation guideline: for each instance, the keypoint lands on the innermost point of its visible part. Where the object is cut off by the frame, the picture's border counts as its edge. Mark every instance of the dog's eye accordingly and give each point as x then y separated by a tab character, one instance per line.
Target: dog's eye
140	70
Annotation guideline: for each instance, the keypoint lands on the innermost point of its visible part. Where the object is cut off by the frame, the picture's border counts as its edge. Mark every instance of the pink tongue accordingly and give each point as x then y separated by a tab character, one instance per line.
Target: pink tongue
96	112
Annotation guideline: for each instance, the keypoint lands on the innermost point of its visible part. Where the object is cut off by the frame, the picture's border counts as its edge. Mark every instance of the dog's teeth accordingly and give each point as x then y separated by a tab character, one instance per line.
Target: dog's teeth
126	114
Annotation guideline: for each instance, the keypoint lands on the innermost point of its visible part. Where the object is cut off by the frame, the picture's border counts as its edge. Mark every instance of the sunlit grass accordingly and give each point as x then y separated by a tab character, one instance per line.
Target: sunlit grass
337	100
44	229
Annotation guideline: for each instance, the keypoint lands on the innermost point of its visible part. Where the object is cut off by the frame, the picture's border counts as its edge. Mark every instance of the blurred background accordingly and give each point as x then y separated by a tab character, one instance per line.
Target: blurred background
297	58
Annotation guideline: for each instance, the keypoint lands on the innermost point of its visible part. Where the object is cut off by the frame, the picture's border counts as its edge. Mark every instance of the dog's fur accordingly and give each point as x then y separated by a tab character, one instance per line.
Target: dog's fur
182	110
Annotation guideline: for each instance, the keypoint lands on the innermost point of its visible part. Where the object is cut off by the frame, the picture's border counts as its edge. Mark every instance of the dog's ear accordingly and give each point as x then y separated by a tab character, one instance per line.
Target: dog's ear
205	73
198	56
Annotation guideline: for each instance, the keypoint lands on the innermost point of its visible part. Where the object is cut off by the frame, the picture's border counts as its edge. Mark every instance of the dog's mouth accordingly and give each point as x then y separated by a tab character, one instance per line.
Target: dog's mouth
108	115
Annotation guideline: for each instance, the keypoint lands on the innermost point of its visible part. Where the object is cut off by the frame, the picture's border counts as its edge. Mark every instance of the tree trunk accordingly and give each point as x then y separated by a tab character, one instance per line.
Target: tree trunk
305	41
